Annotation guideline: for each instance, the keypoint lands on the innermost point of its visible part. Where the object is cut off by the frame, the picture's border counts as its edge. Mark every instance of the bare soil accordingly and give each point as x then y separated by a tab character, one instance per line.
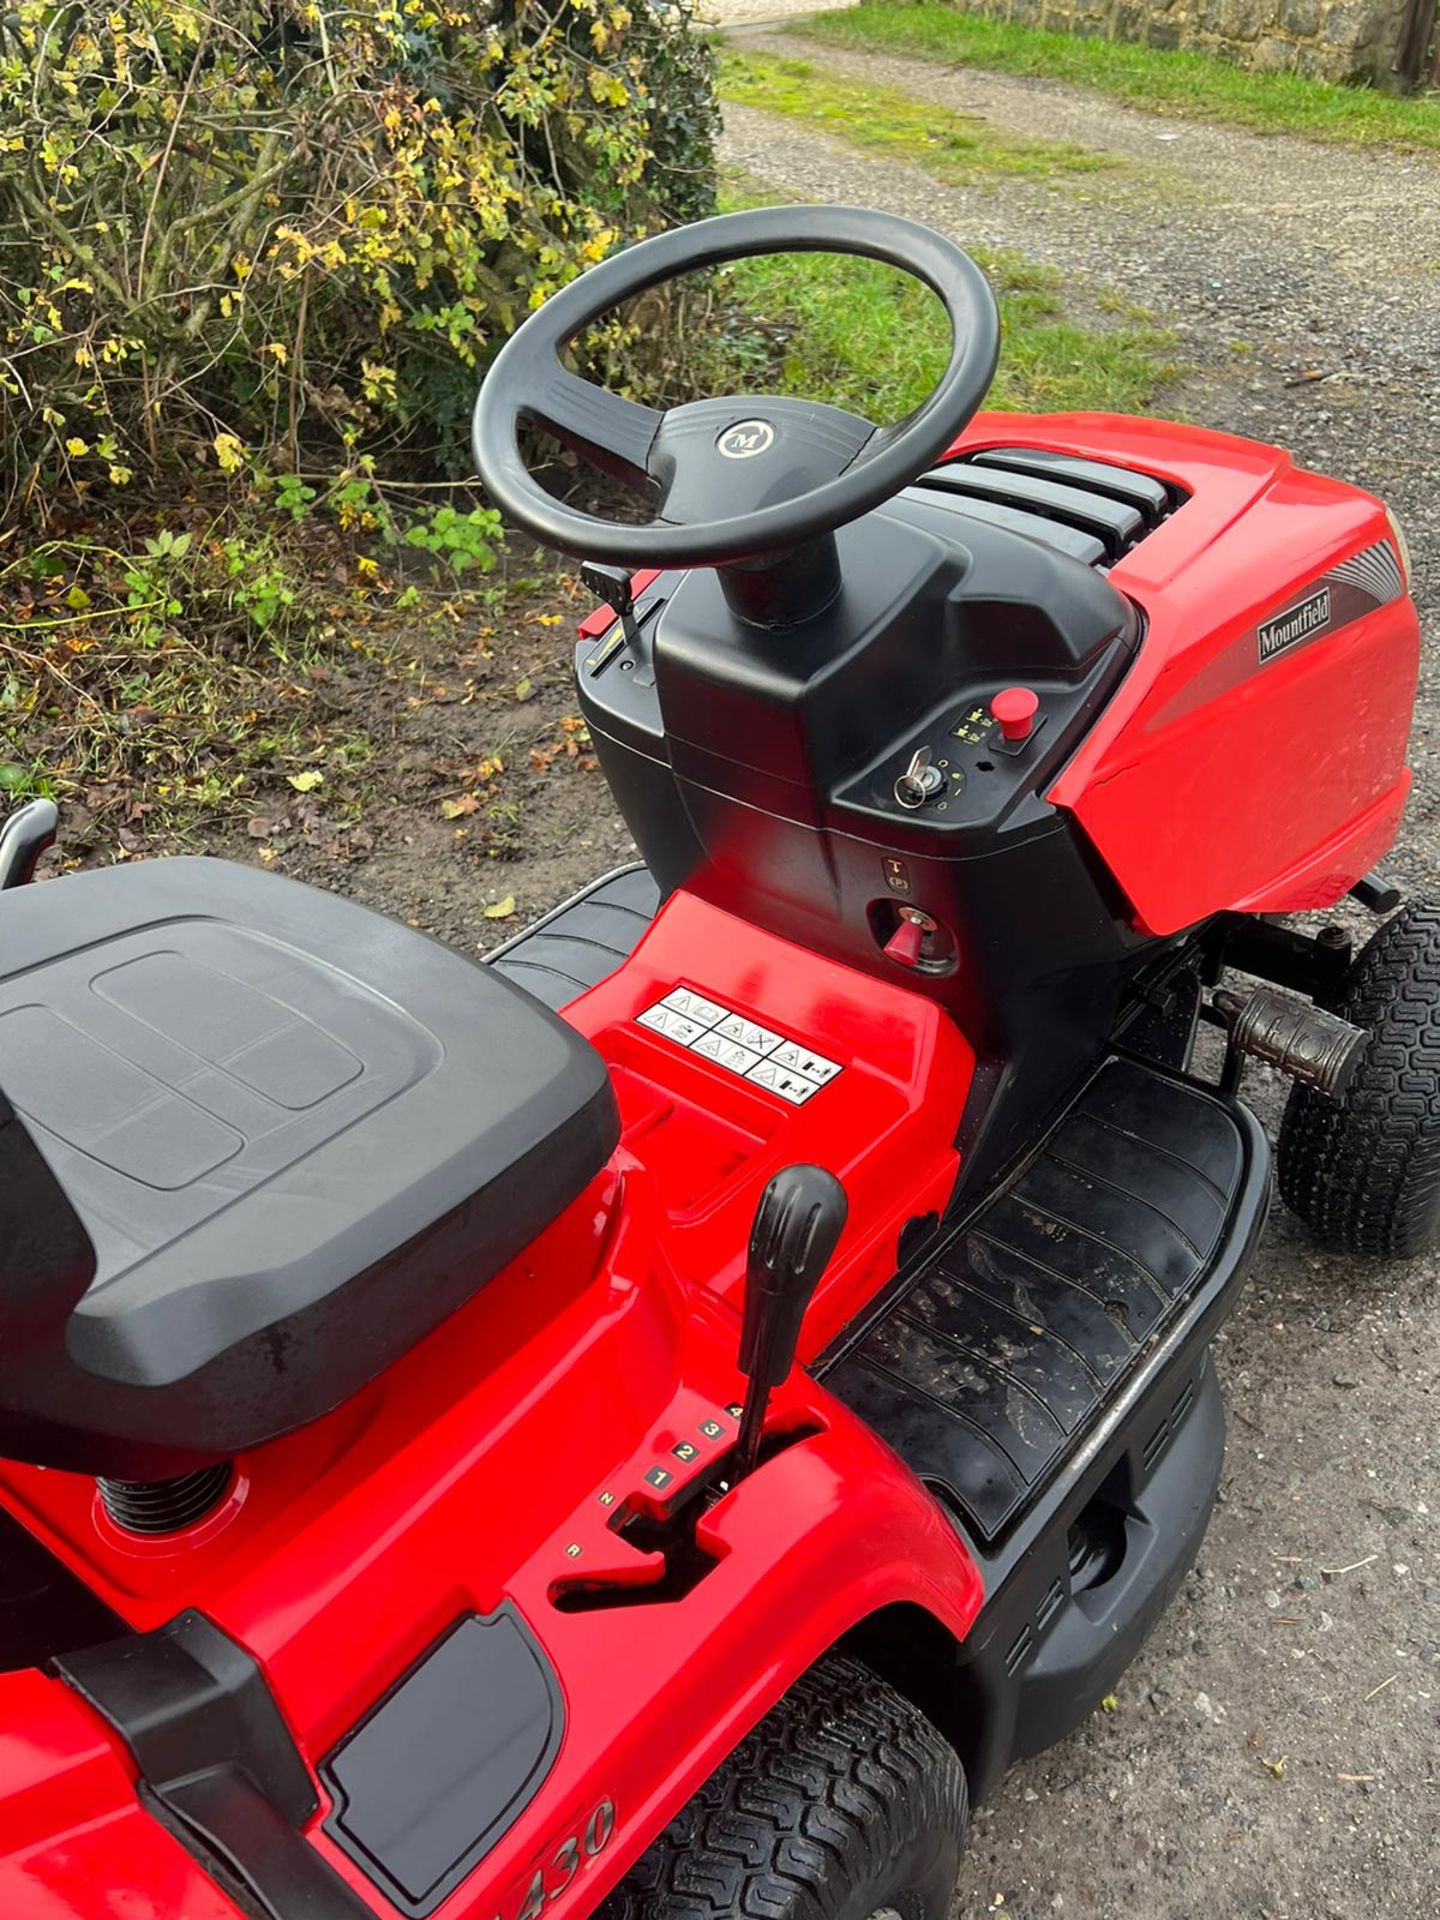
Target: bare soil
483	804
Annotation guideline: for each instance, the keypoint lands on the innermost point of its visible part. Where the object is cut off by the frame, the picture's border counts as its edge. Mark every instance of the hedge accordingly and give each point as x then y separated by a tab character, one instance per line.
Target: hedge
229	233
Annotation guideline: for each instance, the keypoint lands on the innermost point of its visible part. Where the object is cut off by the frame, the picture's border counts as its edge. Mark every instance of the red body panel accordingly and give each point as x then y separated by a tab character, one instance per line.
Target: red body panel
473	1470
1211	782
74	1839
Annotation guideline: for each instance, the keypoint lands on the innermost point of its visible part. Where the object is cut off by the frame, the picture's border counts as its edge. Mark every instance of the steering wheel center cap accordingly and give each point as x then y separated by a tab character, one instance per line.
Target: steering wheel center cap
745	439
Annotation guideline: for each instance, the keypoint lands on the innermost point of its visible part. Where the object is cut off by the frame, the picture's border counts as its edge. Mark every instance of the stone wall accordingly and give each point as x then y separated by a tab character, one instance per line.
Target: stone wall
1331	39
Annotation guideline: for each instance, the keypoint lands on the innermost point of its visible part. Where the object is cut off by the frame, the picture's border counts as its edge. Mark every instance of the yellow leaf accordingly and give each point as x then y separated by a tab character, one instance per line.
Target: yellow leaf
1109	1703
501	910
308	781
229	451
457	809
77	449
279	349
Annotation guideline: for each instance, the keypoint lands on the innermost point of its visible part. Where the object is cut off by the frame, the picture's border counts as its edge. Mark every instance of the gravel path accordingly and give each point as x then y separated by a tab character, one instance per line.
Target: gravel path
732	13
1360	208
1309	1635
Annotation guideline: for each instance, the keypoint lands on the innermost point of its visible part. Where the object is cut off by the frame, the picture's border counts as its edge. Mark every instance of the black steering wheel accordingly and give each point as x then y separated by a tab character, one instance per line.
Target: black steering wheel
735	479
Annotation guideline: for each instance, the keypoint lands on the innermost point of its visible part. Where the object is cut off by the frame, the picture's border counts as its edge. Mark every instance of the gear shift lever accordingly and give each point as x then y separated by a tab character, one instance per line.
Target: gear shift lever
799	1220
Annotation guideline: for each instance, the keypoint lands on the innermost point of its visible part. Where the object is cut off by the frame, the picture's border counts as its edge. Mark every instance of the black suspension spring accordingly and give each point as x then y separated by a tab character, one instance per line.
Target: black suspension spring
166	1506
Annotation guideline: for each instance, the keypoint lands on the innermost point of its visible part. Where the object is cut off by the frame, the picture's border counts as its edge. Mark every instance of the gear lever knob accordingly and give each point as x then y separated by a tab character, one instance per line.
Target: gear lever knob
797	1225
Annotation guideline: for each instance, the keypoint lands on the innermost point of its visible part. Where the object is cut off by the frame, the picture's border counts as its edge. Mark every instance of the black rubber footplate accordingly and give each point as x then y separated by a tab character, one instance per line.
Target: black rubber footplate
576	946
988	1366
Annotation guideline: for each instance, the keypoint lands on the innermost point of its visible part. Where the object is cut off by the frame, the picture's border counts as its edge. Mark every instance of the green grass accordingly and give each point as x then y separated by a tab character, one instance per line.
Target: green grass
863	337
1191	85
952	147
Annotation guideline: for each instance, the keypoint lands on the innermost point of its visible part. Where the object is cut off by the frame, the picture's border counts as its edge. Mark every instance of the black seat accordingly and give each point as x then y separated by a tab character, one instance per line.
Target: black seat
256	1142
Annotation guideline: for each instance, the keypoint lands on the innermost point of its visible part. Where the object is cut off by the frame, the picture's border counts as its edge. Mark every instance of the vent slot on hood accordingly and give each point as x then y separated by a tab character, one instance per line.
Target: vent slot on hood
1089	509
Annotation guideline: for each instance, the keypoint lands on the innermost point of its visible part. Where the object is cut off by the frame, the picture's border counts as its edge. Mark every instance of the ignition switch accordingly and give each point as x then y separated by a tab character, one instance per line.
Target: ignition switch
920	782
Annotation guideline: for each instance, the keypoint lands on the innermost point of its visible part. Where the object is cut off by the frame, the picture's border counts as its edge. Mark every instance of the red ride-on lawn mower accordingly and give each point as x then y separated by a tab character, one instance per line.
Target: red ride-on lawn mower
656	1424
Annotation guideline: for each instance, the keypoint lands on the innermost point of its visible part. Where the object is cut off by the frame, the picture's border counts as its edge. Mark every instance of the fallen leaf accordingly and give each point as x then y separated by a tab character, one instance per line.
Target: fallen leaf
523	689
259	829
501	910
1277	1767
1109	1703
482	771
308	781
457	809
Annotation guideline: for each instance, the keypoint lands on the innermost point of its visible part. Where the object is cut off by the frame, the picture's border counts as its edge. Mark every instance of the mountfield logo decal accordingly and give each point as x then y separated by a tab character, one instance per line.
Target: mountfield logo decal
747	438
1298	623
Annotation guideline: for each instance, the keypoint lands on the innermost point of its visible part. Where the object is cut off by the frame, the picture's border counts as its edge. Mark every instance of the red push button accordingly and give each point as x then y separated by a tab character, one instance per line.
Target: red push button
1015	709
904	944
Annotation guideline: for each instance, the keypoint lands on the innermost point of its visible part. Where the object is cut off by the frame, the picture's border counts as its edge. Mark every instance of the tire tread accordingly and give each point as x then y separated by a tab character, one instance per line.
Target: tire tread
1363	1171
842	1775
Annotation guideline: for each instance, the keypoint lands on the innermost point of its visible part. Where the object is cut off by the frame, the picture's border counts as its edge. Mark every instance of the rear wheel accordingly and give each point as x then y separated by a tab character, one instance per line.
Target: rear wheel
843	1804
1363	1171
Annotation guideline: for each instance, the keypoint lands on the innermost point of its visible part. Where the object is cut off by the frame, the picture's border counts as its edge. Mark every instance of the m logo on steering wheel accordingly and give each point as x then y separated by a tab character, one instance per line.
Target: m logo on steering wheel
745	438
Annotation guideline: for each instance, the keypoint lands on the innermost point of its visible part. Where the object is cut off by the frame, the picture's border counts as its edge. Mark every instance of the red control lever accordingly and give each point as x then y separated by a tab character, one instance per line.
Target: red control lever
904	944
1015	709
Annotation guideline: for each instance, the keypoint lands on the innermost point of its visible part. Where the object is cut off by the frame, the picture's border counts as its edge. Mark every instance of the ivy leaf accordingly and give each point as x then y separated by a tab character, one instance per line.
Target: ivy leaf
308	781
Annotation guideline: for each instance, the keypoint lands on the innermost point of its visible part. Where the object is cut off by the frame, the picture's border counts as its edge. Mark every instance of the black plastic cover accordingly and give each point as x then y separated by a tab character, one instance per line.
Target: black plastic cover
994	1359
437	1771
584	940
216	1762
269	1140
